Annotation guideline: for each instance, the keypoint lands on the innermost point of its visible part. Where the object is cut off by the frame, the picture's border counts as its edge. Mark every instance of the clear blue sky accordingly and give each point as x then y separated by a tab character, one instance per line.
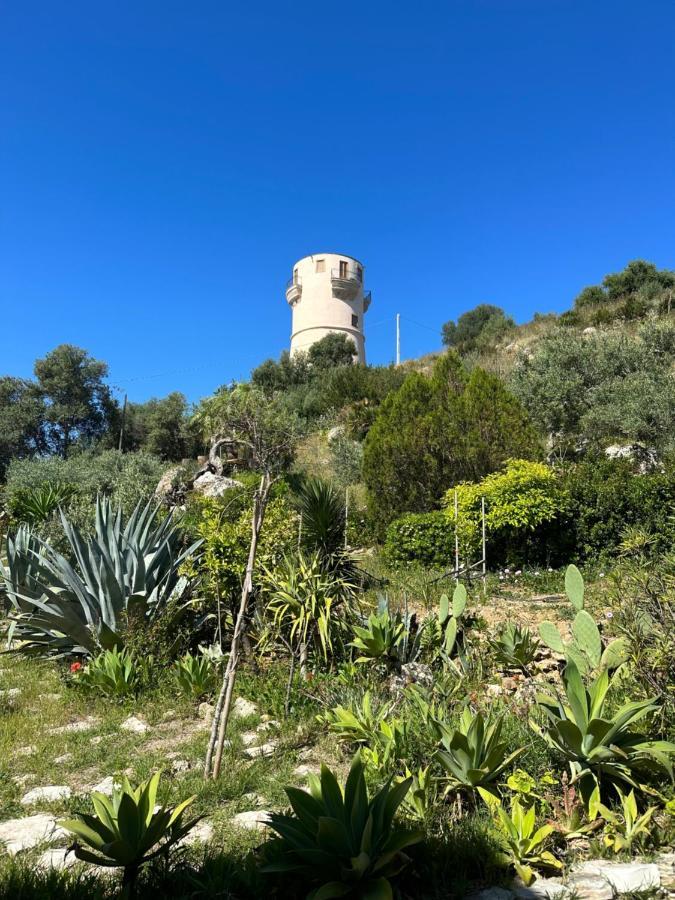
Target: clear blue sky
163	164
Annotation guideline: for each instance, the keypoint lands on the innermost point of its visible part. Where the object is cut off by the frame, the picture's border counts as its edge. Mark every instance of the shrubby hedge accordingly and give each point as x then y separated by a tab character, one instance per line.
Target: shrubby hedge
426	538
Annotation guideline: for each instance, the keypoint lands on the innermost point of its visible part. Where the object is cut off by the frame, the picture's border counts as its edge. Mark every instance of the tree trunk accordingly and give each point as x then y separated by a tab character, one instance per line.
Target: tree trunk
214	754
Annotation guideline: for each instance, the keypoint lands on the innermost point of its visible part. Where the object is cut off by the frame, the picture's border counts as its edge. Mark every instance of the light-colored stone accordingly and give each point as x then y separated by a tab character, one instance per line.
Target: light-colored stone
49	793
10	693
22	834
180	765
96	740
21	780
105	786
254	819
60	760
262	751
542	889
26	751
211	485
302	771
85	724
243	708
418	673
623	877
135	725
206	711
248	738
590	887
666	867
200	834
254	799
268	724
57	858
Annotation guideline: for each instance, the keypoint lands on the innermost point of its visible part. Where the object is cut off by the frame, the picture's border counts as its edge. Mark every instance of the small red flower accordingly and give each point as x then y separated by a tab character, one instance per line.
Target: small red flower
75	667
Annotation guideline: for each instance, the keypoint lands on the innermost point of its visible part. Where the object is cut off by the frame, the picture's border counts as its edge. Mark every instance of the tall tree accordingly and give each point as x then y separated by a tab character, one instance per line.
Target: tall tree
79	405
22	420
476	328
434	432
161	427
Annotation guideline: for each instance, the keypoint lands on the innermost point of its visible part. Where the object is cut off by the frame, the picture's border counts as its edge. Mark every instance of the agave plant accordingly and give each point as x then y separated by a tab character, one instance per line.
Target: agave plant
624	829
340	842
600	746
380	637
516	647
474	755
322	510
120	574
114	673
524	842
127	829
358	725
195	675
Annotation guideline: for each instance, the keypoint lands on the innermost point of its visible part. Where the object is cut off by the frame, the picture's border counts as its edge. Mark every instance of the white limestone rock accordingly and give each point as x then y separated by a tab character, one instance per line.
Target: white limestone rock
134	725
200	834
264	750
23	834
211	485
243	708
48	794
85	724
106	786
625	878
254	819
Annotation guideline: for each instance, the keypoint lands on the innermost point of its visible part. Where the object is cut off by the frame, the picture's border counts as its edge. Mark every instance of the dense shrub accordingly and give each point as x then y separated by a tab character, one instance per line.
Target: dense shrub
520	501
437	431
606	497
426	538
124	477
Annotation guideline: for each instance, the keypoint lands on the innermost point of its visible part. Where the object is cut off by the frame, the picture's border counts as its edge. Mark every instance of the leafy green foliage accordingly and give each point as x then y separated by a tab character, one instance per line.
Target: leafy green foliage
601	388
601	747
22	413
424	538
304	604
477	329
114	673
605	497
79	405
516	647
37	504
161	427
441	430
358	725
195	675
624	829
126	831
341	842
524	841
474	755
124	573
519	499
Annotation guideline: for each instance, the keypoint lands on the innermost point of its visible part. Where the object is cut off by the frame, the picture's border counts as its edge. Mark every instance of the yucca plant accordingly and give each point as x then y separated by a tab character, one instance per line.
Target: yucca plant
35	505
474	755
127	830
516	648
114	673
341	843
195	675
304	601
600	747
524	842
122	573
322	511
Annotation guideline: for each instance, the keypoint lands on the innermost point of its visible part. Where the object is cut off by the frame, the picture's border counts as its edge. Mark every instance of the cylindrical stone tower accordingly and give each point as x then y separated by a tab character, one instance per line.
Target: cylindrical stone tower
326	295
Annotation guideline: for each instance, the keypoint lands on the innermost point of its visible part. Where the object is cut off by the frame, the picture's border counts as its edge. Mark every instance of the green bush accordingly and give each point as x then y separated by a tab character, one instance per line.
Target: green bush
606	496
426	538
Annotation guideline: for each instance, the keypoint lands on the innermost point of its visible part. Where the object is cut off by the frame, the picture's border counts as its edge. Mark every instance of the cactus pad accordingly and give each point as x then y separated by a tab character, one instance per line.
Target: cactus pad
551	637
574	587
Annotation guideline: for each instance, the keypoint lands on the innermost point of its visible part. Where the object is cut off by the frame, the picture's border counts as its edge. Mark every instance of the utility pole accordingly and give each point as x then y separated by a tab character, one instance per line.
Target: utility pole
398	339
124	415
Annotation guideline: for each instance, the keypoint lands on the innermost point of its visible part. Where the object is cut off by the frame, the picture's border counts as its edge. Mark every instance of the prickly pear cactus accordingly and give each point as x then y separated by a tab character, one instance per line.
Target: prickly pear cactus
585	648
459	601
574	587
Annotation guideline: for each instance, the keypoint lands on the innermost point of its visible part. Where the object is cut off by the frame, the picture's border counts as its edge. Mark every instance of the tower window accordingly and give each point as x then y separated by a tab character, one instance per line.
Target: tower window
295	276
355	321
359	273
343	268
321	265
